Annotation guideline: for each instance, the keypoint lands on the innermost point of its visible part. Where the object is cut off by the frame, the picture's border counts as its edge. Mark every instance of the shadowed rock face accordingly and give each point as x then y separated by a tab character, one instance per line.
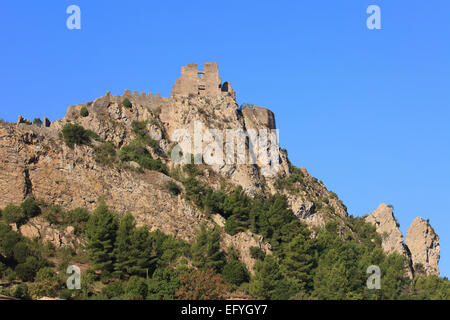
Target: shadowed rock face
421	247
423	243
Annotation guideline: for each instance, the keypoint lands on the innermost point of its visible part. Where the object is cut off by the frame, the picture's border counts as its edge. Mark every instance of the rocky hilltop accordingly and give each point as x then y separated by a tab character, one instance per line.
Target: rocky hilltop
35	162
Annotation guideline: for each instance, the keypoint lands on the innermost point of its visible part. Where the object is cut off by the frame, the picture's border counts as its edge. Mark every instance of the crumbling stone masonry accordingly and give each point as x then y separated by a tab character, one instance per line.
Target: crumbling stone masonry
204	83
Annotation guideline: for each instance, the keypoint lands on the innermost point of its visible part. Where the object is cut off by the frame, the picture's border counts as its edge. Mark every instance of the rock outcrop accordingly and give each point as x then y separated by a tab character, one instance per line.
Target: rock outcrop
421	247
387	226
242	242
40	229
423	243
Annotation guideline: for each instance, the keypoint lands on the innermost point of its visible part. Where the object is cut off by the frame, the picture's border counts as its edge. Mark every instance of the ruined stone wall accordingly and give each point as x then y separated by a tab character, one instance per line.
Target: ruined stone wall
188	82
204	83
211	79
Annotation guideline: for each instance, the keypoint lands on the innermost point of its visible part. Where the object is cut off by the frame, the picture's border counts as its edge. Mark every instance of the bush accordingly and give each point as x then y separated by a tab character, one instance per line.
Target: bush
46	284
141	131
13	214
21	292
231	226
91	134
165	282
75	134
37	121
77	218
30	208
126	103
27	271
257	253
8	239
113	290
202	285
136	289
84	112
136	151
235	273
21	252
106	153
246	105
173	188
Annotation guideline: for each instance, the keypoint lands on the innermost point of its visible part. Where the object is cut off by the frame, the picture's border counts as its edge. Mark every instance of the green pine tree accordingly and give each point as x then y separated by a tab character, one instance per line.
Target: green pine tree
101	233
123	245
299	262
142	258
266	279
205	251
237	208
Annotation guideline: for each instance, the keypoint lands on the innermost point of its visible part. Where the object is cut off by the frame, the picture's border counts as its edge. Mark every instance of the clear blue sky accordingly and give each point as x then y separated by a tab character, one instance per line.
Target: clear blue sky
365	111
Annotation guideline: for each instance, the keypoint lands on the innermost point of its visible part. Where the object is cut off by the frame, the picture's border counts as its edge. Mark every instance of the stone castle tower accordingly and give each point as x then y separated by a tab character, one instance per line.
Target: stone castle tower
204	83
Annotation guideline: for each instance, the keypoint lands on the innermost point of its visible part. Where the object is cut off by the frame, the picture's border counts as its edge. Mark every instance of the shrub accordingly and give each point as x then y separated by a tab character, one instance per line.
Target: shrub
37	121
165	282
113	290
173	188
84	112
75	134
13	214
46	283
126	103
202	285
257	253
91	134
77	218
106	153
141	131
27	271
21	252
30	208
246	105
136	289
140	128
231	226
8	239
136	151
235	273
21	292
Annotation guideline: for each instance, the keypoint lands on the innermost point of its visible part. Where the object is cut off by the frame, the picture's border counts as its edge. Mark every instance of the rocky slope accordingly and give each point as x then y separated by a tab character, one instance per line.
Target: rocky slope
35	162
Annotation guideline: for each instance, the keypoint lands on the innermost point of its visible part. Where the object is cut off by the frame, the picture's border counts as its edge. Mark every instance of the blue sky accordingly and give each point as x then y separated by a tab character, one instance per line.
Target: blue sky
366	111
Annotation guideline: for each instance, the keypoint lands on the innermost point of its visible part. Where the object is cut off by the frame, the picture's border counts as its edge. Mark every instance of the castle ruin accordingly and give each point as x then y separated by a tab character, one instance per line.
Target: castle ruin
203	83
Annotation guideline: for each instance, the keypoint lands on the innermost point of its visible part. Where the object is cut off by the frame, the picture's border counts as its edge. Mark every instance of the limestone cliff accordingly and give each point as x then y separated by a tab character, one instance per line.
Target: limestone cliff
421	247
386	224
423	243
